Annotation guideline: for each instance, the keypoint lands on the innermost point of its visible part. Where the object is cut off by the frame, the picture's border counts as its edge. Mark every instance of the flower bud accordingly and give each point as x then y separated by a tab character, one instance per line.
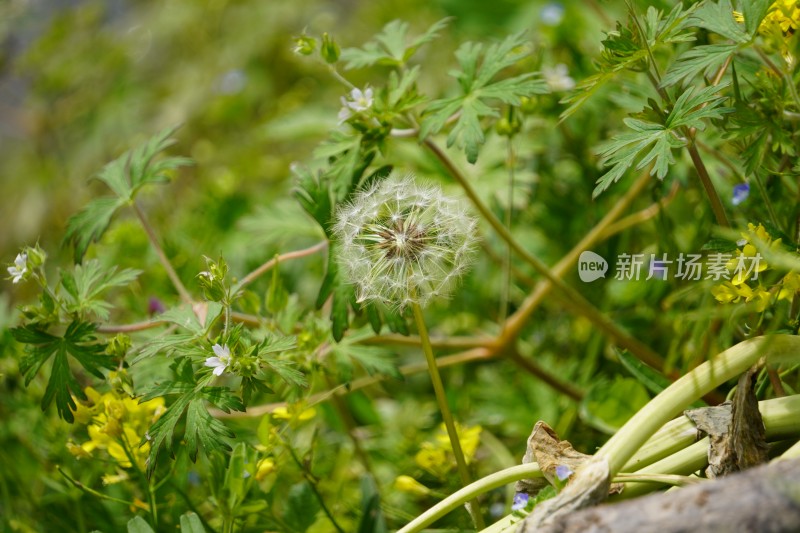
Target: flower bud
329	50
304	45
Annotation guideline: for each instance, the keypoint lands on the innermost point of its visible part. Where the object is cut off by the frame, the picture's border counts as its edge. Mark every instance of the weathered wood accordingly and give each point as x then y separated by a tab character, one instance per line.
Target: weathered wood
765	499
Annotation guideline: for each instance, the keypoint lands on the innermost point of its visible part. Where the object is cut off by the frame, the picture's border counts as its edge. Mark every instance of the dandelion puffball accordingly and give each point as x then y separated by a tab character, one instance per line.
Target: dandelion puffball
404	243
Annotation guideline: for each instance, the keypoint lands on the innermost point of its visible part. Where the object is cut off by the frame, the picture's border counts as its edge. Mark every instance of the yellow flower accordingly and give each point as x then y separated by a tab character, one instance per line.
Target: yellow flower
437	457
264	468
119	477
468	436
433	459
409	484
790	285
288	413
726	292
116	424
783	13
78	451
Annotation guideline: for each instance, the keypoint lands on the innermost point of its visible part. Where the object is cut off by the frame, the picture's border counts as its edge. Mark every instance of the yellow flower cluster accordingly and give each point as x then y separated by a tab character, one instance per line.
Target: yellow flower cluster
783	13
746	285
116	423
437	457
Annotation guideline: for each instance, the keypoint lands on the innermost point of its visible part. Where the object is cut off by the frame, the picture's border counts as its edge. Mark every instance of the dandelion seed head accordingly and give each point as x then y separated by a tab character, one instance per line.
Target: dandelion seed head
404	243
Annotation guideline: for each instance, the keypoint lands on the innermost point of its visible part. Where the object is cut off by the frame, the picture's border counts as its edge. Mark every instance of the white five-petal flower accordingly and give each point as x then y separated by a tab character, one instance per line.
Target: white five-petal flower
221	359
557	78
358	101
20	267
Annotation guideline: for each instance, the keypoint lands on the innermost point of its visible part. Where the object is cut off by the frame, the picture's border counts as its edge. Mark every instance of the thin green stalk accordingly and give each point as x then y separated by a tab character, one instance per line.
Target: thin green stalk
708	186
149	488
482	486
162	257
312	483
77	484
773	217
703	379
447	416
505	290
573	298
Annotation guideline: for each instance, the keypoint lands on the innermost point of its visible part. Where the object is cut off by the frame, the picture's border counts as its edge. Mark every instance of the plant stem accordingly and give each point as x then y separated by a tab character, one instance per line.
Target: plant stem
77	484
729	364
249	278
312	482
447	416
574	299
505	290
708	186
481	486
151	235
130	328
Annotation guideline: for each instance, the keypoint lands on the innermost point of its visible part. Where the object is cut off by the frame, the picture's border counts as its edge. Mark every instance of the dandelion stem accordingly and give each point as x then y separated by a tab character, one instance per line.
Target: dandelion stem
447	416
151	235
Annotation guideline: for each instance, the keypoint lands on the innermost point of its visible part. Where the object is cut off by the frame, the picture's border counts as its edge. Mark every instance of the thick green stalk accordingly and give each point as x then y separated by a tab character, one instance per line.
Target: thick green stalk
700	381
483	485
447	416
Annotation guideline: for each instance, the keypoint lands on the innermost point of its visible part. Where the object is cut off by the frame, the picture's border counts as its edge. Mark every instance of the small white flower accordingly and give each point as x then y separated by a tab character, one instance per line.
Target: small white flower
221	360
558	78
20	267
358	101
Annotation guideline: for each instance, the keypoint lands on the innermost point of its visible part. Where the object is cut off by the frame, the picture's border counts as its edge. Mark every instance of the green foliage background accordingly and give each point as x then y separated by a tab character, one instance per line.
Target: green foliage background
79	85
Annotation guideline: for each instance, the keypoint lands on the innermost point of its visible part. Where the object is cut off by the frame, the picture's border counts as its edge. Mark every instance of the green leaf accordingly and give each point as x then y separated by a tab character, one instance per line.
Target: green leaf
644	374
691	108
754	12
204	430
89	224
124	176
719	19
137	524
623	150
191	523
277	296
223	398
374	359
287	372
608	405
185	317
389	47
79	342
372	520
478	69
706	59
301	507
180	343
87	282
201	428
135	168
276	344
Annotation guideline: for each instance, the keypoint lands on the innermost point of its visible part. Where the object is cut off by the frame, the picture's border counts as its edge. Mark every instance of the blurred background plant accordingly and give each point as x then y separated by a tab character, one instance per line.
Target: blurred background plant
84	81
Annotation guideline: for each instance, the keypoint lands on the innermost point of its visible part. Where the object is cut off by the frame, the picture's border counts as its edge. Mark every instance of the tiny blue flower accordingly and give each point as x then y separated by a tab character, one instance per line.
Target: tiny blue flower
563	472
740	193
520	501
552	14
